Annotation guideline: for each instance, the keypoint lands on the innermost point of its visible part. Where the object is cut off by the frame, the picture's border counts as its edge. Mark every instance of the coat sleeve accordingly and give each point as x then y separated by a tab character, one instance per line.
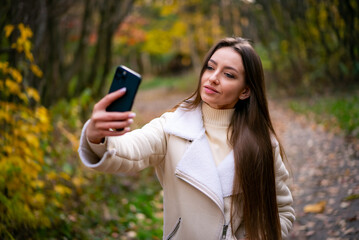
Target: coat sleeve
128	153
284	196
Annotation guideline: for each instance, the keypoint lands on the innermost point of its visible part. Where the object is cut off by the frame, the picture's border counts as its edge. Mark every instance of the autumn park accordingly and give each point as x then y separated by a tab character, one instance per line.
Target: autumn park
58	58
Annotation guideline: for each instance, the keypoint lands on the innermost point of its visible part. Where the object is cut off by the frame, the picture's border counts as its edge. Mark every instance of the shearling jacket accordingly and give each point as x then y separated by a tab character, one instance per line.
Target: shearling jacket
195	189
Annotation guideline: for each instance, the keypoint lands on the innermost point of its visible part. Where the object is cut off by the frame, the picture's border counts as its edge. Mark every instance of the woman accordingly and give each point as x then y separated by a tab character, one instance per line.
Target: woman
216	156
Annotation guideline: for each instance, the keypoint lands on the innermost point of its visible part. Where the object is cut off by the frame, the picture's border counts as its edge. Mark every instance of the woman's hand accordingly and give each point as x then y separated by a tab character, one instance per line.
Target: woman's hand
103	123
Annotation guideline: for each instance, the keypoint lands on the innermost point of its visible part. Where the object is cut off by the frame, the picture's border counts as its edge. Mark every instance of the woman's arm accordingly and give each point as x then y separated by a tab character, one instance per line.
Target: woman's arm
120	153
131	152
284	196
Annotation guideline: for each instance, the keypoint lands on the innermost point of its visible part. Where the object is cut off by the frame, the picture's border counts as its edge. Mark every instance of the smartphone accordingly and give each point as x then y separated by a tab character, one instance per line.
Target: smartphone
124	77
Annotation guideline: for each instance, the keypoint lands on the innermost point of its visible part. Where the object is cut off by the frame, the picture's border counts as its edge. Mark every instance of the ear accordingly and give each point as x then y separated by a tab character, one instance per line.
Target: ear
245	93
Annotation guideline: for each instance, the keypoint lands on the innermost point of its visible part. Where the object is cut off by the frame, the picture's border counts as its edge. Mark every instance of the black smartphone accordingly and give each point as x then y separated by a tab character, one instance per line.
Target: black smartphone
124	77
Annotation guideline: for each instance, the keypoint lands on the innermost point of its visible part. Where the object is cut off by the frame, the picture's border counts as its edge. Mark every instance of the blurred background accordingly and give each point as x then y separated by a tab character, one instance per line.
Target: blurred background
58	57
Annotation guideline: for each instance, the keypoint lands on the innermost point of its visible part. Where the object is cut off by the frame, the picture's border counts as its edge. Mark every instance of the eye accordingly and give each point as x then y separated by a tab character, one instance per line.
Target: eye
229	75
208	67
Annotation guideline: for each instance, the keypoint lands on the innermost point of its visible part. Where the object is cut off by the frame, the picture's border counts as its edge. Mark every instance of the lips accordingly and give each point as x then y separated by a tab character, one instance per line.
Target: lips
209	89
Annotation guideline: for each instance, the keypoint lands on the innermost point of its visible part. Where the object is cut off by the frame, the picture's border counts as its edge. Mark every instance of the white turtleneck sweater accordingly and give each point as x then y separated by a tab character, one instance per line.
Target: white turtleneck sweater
216	122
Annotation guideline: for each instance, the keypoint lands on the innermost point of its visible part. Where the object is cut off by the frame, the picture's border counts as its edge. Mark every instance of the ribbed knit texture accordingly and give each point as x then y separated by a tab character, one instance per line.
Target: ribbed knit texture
216	122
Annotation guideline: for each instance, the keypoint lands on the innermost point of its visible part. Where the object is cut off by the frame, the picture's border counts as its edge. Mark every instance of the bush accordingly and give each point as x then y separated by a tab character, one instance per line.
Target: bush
24	124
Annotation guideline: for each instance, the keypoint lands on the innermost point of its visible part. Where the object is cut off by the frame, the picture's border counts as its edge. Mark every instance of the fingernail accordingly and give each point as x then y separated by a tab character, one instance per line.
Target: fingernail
132	115
127	129
130	120
123	89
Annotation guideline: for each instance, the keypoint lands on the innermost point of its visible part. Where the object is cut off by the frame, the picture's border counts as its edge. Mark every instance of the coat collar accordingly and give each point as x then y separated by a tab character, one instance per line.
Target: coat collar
197	166
187	124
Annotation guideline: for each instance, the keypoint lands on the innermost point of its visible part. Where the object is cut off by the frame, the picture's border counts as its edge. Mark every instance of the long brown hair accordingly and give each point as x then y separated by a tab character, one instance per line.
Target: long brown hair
251	129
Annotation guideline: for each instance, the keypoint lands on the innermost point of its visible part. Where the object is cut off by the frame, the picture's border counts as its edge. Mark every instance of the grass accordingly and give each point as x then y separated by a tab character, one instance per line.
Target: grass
335	111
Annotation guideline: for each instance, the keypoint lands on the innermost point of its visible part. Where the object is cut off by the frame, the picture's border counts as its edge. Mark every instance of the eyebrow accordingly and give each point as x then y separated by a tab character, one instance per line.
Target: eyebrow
226	67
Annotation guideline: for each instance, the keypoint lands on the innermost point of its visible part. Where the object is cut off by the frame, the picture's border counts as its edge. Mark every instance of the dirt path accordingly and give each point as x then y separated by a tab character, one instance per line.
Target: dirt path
326	172
325	169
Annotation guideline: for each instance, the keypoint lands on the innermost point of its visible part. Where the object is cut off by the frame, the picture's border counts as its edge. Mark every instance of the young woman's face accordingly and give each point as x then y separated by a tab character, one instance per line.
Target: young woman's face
223	83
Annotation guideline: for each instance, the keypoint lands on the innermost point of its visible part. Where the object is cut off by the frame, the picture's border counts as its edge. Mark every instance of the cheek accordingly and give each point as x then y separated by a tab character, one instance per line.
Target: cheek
233	90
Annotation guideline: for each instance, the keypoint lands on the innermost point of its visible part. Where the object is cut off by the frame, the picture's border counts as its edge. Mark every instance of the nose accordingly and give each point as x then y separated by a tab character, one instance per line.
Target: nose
214	77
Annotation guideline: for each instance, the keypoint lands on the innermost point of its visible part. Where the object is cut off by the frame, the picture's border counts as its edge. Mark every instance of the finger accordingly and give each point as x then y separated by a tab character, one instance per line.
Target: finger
113	133
112	116
109	98
114	125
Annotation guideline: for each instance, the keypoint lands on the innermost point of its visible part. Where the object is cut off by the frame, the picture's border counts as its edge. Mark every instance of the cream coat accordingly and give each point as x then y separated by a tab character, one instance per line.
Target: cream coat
195	189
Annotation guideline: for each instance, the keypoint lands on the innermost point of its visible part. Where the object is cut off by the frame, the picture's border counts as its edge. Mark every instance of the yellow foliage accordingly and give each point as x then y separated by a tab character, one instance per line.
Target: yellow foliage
43	116
37	183
15	74
31	92
158	41
65	176
51	175
24	31
32	140
78	181
12	87
38	200
29	56
62	190
23	127
168	9
8	30
179	29
36	70
4	67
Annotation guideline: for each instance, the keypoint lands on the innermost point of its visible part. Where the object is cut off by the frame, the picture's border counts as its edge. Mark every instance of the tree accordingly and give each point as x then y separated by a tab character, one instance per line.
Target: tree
75	52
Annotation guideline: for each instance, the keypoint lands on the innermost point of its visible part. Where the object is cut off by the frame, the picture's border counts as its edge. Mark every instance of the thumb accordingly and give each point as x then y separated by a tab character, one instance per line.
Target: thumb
109	98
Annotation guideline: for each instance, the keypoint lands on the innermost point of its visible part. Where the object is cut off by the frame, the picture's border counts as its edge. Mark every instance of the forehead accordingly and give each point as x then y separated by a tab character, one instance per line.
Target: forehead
227	56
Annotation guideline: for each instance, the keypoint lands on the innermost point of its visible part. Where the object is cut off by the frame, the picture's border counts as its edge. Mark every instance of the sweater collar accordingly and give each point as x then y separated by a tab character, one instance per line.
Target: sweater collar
217	117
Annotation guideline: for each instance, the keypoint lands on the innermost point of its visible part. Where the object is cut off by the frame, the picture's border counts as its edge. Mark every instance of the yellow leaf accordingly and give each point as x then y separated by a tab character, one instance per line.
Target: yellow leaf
32	140
12	86
7	149
32	92
29	56
16	75
13	45
51	175
24	31
8	30
36	70
315	208
38	200
78	181
42	115
65	176
4	66
4	115
38	184
23	97
62	190
27	45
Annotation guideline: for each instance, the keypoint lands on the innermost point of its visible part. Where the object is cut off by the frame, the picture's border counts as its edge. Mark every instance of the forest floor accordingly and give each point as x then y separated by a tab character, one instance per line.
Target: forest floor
324	166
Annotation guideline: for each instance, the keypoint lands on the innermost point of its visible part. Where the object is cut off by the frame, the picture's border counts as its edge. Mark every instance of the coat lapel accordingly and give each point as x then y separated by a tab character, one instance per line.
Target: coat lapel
226	174
197	166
